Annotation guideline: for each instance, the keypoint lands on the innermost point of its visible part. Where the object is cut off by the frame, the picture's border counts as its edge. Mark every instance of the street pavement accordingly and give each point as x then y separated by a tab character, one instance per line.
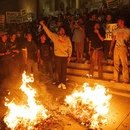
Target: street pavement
53	99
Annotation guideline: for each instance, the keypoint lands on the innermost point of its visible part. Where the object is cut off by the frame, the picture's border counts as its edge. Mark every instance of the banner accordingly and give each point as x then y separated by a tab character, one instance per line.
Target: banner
13	17
112	3
18	17
109	29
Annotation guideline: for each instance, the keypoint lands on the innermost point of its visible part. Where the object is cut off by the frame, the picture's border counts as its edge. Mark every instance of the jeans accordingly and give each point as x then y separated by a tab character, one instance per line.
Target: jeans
61	68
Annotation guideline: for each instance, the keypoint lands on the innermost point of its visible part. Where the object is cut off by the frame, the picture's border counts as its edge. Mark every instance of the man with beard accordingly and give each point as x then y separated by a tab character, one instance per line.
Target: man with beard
62	51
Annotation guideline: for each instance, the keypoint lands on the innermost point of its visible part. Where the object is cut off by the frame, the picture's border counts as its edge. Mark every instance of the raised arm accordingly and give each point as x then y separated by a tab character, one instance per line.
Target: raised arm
50	34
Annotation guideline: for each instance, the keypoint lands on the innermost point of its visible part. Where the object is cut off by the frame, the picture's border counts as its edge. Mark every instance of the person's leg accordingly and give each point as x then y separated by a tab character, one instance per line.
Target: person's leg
50	69
116	64
77	52
81	51
100	66
58	68
124	62
92	62
35	70
64	69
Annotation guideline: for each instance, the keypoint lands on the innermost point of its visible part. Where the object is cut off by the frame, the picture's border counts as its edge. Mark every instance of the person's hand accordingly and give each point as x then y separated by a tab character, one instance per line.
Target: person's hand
89	52
42	23
16	51
69	58
7	53
110	53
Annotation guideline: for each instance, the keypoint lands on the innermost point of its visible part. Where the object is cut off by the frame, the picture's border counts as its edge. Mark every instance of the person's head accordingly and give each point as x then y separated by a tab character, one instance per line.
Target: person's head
121	22
93	16
76	25
109	17
80	21
43	38
59	23
4	37
61	31
29	37
13	37
18	34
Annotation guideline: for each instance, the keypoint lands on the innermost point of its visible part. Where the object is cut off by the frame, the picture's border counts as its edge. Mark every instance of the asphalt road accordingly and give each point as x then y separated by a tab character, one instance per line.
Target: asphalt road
53	98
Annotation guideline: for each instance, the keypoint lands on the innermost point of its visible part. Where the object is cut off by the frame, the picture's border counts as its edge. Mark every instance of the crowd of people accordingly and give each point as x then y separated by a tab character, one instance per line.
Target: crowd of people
46	46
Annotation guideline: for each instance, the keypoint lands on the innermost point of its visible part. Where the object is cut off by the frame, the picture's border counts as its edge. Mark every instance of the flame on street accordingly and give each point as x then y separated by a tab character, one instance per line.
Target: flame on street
26	115
90	106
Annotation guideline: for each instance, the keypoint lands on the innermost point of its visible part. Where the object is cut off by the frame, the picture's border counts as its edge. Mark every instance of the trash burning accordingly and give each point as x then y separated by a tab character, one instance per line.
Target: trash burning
28	115
89	106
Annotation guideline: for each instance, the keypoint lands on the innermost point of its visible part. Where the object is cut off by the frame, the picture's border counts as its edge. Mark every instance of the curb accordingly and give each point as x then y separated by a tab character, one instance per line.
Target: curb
119	89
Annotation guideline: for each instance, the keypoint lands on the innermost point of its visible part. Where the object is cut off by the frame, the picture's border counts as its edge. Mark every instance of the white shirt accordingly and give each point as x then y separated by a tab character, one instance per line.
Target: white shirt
122	35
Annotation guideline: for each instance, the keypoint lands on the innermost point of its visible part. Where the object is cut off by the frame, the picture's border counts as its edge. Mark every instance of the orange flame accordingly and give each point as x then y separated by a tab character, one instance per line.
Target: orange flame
28	115
89	104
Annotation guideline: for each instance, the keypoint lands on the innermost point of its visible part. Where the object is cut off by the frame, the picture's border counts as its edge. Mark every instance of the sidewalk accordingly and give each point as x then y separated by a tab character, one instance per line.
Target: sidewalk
120	89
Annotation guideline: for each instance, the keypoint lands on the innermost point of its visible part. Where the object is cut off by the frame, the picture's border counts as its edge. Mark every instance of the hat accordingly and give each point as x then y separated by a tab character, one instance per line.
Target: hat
3	33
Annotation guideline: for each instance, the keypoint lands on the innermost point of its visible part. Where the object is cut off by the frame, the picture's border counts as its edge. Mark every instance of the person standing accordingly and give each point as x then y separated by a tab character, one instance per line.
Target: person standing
96	49
120	38
45	53
107	42
15	52
62	51
5	56
79	39
30	54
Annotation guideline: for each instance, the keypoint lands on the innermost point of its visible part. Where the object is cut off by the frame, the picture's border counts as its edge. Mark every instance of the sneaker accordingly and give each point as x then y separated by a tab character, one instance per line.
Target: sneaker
125	82
63	86
60	86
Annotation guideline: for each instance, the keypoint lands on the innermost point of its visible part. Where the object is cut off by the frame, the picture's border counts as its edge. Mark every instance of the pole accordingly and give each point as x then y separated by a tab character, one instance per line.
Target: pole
77	4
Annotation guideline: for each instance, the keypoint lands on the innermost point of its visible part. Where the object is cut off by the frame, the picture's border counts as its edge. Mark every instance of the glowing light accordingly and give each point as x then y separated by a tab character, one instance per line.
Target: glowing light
26	115
89	105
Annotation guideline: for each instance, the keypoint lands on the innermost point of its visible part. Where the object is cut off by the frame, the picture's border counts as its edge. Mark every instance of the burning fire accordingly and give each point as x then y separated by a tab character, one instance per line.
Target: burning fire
27	115
89	106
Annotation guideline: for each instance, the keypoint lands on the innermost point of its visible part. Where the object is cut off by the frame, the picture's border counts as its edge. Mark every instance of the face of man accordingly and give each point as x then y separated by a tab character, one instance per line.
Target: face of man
61	31
18	34
109	18
29	37
121	23
13	37
94	17
4	38
43	38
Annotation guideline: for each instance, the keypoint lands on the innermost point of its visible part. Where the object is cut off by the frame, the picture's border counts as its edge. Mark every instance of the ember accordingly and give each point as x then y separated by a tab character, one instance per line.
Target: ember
89	106
25	116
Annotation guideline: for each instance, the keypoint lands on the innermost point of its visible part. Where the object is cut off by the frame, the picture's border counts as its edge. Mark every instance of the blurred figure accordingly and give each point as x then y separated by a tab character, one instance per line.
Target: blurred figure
45	52
5	55
15	52
88	30
79	39
107	43
96	49
62	50
120	39
30	53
